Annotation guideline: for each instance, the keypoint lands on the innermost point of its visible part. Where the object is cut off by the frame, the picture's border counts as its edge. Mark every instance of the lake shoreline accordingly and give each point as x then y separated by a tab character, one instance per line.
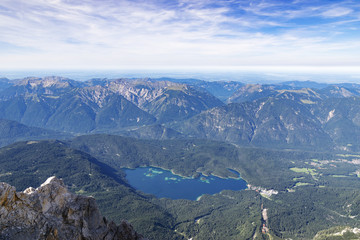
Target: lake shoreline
186	177
164	183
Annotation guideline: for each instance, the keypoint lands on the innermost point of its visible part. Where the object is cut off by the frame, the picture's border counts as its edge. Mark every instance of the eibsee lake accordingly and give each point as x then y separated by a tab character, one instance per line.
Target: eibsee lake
163	183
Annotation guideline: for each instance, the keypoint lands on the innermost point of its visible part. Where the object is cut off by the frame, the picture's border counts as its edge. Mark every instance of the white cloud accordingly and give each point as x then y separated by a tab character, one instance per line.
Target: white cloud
337	12
93	33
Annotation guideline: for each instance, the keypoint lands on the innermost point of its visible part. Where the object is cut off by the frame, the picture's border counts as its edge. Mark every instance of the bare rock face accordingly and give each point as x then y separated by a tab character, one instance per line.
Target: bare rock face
51	212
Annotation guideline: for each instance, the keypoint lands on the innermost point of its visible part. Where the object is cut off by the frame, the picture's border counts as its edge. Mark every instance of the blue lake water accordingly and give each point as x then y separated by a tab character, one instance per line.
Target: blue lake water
163	183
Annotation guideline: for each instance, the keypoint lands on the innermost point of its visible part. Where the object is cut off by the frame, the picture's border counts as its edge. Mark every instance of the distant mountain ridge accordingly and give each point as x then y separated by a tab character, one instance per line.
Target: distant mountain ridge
269	122
286	115
66	105
12	131
4	83
252	92
220	89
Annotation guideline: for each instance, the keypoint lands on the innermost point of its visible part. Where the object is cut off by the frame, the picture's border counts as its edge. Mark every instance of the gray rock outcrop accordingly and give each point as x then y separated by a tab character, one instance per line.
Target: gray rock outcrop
51	212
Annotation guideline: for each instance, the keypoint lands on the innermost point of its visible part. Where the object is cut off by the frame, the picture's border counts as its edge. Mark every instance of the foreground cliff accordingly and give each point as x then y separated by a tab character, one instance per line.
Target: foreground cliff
51	212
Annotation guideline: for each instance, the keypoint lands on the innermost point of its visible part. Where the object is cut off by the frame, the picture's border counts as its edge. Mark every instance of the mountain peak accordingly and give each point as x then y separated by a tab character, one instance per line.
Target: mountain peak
53	181
52	212
46	82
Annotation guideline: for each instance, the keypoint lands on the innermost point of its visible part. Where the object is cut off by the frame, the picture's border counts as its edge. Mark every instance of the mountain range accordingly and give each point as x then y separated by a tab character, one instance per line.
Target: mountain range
286	115
65	105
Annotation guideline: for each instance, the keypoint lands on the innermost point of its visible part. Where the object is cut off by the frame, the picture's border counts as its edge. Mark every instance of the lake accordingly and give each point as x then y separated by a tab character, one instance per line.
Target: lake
163	183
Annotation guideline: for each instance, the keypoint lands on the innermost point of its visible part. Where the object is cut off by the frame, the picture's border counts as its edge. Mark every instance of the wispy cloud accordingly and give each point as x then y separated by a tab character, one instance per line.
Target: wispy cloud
337	12
114	33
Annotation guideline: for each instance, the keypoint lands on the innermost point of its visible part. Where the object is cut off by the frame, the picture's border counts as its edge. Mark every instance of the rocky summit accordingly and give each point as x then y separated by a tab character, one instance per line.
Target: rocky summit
52	212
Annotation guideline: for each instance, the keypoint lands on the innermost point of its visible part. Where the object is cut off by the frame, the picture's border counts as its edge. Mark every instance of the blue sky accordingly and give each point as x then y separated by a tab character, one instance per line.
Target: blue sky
112	34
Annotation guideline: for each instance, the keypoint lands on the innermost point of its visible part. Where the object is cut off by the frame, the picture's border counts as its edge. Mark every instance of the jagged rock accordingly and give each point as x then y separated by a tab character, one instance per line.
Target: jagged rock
51	212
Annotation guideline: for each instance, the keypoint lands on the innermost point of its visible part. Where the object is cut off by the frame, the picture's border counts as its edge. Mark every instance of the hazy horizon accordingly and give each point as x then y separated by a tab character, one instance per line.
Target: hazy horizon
246	75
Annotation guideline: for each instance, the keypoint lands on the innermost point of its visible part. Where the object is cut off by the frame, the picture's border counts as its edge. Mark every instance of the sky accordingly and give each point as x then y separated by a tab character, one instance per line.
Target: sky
174	34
